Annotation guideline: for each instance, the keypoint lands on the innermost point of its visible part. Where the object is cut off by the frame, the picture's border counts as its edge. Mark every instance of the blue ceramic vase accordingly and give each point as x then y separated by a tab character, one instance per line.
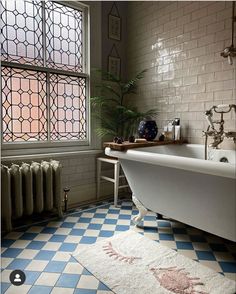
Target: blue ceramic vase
147	129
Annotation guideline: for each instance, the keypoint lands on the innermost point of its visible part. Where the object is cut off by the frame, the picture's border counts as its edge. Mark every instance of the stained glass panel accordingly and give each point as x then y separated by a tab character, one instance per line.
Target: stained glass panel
67	107
21	27
63	37
23	105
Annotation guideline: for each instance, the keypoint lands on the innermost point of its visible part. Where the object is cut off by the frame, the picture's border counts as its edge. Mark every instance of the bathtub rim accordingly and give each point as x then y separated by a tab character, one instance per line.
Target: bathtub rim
178	162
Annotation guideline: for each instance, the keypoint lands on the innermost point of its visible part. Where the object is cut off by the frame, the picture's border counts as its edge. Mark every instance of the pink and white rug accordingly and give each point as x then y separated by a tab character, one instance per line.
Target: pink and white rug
129	263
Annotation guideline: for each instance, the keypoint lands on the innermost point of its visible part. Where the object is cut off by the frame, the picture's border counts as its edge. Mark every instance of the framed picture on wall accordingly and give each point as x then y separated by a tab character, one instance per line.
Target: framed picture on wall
114	27
114	66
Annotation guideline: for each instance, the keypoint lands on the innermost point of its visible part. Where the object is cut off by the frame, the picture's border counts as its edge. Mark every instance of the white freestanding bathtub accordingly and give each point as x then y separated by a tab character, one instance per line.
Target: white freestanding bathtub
176	181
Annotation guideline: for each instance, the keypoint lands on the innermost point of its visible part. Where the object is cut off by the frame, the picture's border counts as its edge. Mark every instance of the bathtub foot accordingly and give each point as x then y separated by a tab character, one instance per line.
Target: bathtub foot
159	216
142	211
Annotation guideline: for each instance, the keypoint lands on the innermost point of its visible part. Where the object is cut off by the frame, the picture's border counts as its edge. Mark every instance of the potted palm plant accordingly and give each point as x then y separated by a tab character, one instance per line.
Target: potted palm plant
118	118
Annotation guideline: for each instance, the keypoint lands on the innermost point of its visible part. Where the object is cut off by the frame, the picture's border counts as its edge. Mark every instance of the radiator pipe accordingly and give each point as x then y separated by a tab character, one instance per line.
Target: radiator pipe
66	190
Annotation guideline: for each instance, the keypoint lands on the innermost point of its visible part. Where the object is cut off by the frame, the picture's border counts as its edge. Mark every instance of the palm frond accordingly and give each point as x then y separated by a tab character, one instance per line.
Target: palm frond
101	100
131	85
102	132
110	89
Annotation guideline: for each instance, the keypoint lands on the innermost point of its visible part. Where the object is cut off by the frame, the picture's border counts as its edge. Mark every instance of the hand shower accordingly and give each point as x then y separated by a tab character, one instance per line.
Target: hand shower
209	114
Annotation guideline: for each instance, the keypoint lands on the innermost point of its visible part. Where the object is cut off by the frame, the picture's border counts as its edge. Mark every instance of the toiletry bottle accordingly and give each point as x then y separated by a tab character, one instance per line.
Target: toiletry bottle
171	130
177	133
177	128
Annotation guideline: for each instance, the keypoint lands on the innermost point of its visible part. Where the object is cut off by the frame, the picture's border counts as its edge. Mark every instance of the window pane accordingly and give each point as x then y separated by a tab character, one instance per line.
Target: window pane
23	105
63	37
21	23
67	108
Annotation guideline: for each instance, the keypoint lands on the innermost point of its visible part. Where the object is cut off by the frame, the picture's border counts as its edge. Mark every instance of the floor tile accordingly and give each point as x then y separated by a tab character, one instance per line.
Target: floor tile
35	229
47	279
60	290
40	290
17	244
36	245
28	236
23	289
48	230
72	219
62	256
88	240
68	280
205	255
5	261
7	243
188	253
5	274
28	253
105	233
87	282
170	244
54	246
67	225
122	228
77	232
57	238
67	247
184	245
223	256
211	264
43	237
19	263
55	266
31	276
54	224
218	247
102	286
14	235
91	233
85	291
73	268
4	287
45	255
228	267
11	252
63	231
73	239
37	265
168	237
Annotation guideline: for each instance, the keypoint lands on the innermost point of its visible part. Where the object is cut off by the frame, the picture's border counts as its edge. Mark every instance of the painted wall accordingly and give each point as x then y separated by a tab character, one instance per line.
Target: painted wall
180	44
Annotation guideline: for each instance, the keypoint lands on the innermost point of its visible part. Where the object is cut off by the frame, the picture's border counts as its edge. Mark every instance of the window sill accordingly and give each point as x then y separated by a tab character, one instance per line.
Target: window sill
51	155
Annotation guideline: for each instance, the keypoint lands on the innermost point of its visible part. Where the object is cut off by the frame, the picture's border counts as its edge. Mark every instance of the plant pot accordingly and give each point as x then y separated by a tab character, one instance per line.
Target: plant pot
147	129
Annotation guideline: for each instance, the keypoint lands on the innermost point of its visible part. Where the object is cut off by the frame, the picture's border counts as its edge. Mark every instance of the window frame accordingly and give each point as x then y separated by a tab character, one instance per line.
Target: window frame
17	148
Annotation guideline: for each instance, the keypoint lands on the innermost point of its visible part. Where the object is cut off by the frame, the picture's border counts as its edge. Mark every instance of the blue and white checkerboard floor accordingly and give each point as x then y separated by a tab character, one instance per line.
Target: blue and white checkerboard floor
43	251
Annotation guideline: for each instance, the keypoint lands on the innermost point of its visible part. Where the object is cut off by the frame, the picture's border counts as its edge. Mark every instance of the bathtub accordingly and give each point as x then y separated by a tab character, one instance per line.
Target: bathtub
176	181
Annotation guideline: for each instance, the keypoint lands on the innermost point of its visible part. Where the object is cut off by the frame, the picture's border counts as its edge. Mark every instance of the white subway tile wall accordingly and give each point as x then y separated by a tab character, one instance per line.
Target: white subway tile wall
180	44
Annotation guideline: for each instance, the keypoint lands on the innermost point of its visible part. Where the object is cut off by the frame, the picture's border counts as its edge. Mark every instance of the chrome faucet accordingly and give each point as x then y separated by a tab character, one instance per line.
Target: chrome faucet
217	135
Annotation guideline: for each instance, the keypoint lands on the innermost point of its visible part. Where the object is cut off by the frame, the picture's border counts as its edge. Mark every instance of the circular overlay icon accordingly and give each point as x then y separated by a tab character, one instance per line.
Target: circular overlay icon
17	277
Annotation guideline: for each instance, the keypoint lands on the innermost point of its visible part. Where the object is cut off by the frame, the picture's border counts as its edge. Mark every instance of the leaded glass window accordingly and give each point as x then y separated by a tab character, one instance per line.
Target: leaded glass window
44	75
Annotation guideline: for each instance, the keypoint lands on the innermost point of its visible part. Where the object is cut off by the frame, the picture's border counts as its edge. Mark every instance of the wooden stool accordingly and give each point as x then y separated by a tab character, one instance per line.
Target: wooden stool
115	180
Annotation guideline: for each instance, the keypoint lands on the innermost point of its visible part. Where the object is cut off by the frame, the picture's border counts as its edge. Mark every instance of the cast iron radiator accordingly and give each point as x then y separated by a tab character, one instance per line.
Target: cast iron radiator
30	188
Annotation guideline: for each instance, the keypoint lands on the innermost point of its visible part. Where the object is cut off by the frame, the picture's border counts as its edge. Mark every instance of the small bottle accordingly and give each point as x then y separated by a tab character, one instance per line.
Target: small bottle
171	130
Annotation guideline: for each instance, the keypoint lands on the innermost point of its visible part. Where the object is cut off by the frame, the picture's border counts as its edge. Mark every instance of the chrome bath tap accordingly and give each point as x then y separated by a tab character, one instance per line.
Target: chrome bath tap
217	135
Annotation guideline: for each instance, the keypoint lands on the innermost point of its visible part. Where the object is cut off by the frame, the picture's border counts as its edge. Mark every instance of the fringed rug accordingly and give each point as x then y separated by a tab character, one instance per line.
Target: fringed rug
129	263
